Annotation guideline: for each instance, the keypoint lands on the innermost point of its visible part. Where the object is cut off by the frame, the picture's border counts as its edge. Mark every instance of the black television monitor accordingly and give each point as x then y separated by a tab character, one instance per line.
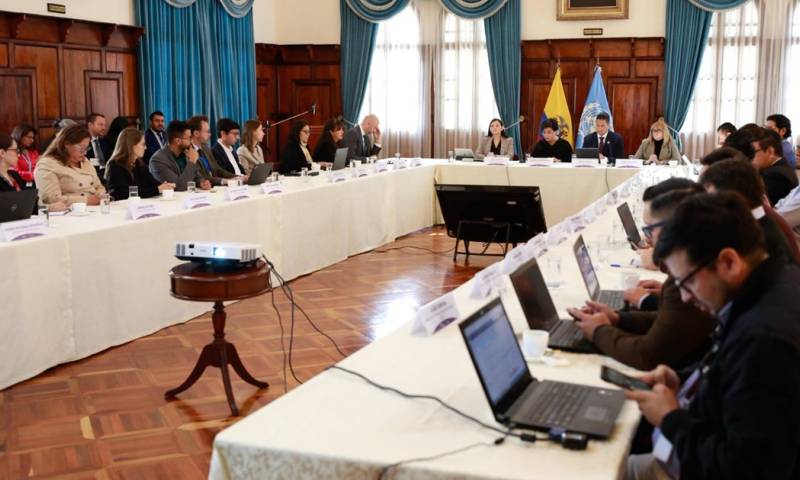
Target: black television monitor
479	210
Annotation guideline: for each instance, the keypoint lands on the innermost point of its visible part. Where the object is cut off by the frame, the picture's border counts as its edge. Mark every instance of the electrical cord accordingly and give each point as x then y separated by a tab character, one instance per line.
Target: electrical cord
442	252
385	470
283	334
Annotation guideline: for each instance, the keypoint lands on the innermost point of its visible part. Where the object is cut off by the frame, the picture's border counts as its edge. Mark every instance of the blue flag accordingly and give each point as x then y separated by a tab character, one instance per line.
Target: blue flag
596	102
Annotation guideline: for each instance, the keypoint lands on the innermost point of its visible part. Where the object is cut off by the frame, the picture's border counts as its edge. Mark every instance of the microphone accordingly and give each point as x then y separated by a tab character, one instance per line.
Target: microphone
313	108
521	119
342	119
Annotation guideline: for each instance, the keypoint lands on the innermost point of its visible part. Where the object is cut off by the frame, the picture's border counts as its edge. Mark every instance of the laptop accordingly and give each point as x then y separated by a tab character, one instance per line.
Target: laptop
628	223
340	160
541	313
612	298
464	154
18	205
587	153
519	400
259	174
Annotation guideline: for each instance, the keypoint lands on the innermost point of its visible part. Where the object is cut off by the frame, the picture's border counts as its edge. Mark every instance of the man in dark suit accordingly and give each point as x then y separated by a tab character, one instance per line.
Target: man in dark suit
363	140
207	163
154	138
778	175
177	162
96	124
609	144
223	150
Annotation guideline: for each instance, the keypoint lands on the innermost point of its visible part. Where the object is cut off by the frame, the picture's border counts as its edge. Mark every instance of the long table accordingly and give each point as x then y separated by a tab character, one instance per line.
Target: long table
101	280
338	426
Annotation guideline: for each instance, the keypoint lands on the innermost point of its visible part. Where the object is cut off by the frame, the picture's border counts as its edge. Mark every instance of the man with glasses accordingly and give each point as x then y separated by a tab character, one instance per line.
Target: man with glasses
177	163
676	334
736	415
779	178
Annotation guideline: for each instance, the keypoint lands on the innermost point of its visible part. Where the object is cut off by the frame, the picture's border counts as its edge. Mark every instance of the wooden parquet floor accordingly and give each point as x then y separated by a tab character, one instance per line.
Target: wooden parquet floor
105	417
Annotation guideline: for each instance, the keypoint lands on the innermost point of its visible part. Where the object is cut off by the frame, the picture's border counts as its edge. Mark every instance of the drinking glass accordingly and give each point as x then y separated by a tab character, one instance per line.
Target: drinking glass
191	187
105	204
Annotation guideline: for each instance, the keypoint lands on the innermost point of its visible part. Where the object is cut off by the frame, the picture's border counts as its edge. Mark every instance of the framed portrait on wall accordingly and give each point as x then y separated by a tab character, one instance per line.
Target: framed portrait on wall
592	9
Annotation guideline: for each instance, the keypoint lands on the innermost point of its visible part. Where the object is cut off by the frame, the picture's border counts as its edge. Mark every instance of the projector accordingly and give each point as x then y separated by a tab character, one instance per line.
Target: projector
218	253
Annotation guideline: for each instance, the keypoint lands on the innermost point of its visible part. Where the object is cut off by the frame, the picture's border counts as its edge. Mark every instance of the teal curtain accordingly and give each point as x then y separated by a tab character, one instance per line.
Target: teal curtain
717	5
358	42
376	10
196	60
235	8
474	9
503	39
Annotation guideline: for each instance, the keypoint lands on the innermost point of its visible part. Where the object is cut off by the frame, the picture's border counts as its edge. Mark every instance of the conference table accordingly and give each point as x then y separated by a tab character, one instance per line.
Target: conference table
97	281
338	426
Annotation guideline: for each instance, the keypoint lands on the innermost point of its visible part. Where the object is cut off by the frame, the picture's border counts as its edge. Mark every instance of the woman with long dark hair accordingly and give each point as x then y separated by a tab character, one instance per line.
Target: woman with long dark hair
295	155
126	168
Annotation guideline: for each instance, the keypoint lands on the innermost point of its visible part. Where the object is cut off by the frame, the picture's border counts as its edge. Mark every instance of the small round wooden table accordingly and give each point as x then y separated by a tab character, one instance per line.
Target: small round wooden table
203	283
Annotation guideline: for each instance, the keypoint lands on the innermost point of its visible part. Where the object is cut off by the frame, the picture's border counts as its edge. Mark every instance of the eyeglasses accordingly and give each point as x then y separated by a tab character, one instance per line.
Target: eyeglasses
648	229
657	130
681	283
77	147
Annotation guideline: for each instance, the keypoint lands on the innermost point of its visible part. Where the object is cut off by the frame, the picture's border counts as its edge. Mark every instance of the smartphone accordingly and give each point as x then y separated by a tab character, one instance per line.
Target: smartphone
621	380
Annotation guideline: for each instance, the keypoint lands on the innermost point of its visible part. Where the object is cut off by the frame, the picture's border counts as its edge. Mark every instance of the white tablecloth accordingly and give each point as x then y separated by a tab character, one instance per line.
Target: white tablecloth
337	426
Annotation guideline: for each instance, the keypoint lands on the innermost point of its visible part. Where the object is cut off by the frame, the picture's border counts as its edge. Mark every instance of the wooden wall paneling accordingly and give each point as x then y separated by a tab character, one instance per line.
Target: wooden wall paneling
20	85
125	64
3	54
104	93
44	60
75	64
633	104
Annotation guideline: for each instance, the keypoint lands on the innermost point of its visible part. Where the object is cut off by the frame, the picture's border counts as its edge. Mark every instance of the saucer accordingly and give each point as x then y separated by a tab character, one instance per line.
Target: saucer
82	214
165	199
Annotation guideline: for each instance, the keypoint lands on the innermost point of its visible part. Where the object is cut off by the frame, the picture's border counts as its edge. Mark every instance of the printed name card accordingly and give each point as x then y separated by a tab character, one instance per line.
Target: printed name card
361	171
540	162
584	162
436	315
382	166
238	192
496	160
196	200
400	163
139	210
557	234
536	245
337	176
515	258
486	279
588	215
575	223
22	229
271	188
630	163
415	162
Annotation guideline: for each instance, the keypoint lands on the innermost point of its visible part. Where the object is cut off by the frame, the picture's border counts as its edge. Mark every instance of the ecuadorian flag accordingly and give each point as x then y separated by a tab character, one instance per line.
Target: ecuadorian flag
556	107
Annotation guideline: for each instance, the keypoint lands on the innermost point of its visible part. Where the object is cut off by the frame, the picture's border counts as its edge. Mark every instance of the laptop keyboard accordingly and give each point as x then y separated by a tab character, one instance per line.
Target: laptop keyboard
558	404
612	298
566	334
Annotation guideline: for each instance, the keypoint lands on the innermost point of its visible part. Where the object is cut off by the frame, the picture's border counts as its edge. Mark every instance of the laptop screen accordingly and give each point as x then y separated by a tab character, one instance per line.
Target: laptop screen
628	223
495	353
533	296
586	268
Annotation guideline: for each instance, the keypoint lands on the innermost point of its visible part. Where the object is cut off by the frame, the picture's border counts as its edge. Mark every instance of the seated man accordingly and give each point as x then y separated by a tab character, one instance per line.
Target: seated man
779	178
677	334
226	155
154	138
608	144
736	416
207	162
176	163
783	127
363	140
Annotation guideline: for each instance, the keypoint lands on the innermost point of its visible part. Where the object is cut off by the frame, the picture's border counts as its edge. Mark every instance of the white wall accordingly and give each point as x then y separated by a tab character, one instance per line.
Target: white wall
108	11
287	22
646	18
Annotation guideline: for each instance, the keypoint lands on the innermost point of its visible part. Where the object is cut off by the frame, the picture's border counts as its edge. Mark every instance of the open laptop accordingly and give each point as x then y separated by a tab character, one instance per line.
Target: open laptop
587	153
541	313
17	205
340	160
612	298
519	400
628	223
464	154
259	174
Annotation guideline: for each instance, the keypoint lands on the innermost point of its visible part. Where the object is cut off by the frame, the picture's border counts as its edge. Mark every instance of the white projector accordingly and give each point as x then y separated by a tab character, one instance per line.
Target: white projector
218	253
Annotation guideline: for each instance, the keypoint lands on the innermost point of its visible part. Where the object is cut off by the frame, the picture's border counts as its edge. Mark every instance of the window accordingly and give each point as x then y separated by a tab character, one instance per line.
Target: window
791	100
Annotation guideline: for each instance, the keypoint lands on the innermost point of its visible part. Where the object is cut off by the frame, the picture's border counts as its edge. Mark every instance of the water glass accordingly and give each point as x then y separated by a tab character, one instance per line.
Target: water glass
274	176
191	187
105	204
397	156
133	192
304	173
450	157
553	276
233	182
44	211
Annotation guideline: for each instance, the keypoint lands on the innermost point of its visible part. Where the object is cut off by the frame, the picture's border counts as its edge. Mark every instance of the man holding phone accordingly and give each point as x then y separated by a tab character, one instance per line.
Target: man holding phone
741	419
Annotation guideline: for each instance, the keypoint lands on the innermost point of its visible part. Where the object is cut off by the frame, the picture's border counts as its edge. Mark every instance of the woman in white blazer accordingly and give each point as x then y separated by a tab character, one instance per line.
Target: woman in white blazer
496	141
64	175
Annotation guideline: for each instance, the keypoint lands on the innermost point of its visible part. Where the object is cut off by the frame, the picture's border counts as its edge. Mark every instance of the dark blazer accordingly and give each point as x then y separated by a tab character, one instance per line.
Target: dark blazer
677	334
614	148
561	150
745	409
357	148
165	168
779	179
103	147
6	187
326	150
208	167
152	144
222	159
118	179
292	159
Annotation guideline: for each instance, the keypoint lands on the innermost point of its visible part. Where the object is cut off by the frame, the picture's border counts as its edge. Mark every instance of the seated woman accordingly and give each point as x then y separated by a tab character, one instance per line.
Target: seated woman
658	147
25	136
551	146
64	175
295	154
496	141
332	134
250	152
126	169
10	179
109	142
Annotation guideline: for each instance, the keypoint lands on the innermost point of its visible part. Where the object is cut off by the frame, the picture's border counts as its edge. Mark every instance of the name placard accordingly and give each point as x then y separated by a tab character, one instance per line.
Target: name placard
337	176
196	200
584	162
536	245
436	315
22	229
629	163
575	223
382	166
399	163
515	258
139	210
271	188
496	160
486	279
540	162
415	162
238	192
361	171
